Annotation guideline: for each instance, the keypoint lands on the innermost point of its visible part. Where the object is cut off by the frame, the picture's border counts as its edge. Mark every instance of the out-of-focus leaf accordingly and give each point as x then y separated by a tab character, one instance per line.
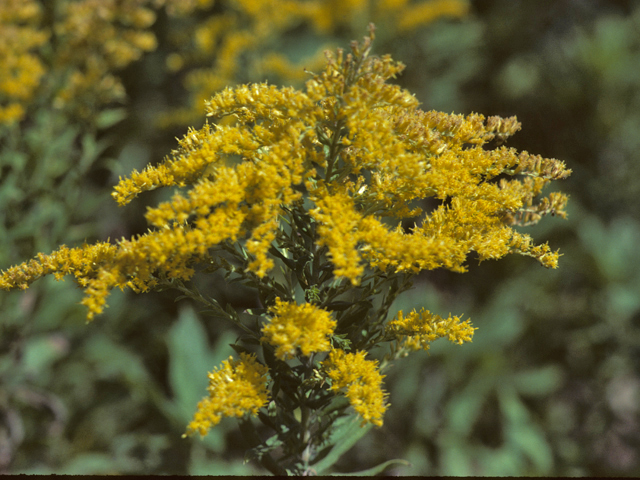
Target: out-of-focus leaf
538	382
143	451
42	351
61	298
613	247
623	300
202	464
455	459
374	470
500	462
521	431
519	77
108	118
91	464
14	159
112	361
419	462
10	191
533	444
91	149
348	431
463	410
511	405
190	360
189	355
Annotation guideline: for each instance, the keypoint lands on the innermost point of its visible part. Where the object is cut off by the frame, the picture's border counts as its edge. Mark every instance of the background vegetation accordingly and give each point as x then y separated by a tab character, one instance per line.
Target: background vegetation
551	383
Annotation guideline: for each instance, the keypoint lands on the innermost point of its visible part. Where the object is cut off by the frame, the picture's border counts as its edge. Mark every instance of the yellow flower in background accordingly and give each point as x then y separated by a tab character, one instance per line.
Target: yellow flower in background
22	70
236	389
360	381
413	15
72	50
94	39
305	327
243	42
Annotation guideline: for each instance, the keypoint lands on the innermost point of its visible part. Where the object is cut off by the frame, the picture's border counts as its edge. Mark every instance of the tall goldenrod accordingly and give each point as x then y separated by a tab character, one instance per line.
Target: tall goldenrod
318	182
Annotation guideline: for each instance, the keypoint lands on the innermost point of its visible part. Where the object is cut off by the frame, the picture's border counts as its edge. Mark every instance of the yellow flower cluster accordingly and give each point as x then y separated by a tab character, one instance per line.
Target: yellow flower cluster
362	382
236	389
361	151
305	327
82	262
418	329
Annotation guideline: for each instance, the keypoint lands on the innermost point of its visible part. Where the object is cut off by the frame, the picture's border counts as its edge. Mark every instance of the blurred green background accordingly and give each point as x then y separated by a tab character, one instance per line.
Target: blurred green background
550	384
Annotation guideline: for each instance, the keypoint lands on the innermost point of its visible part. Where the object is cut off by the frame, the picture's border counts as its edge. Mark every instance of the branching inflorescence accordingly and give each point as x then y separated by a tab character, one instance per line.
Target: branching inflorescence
319	181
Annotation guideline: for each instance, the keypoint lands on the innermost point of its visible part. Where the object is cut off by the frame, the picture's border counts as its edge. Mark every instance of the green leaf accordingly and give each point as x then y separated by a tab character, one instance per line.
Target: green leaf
15	159
112	361
533	444
93	464
512	407
256	453
539	382
191	360
504	461
463	410
348	431
91	150
455	460
232	312
42	351
369	472
520	430
202	464
108	118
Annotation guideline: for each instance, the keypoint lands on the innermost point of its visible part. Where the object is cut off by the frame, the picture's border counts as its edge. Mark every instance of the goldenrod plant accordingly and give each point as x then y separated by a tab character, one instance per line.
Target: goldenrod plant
327	201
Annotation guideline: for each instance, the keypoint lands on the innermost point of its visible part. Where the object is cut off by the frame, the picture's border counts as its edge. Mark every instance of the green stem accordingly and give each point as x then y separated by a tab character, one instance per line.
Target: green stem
334	149
305	436
198	297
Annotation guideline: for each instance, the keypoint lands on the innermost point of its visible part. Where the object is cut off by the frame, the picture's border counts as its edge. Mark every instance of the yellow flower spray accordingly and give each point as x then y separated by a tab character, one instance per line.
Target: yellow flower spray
317	183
